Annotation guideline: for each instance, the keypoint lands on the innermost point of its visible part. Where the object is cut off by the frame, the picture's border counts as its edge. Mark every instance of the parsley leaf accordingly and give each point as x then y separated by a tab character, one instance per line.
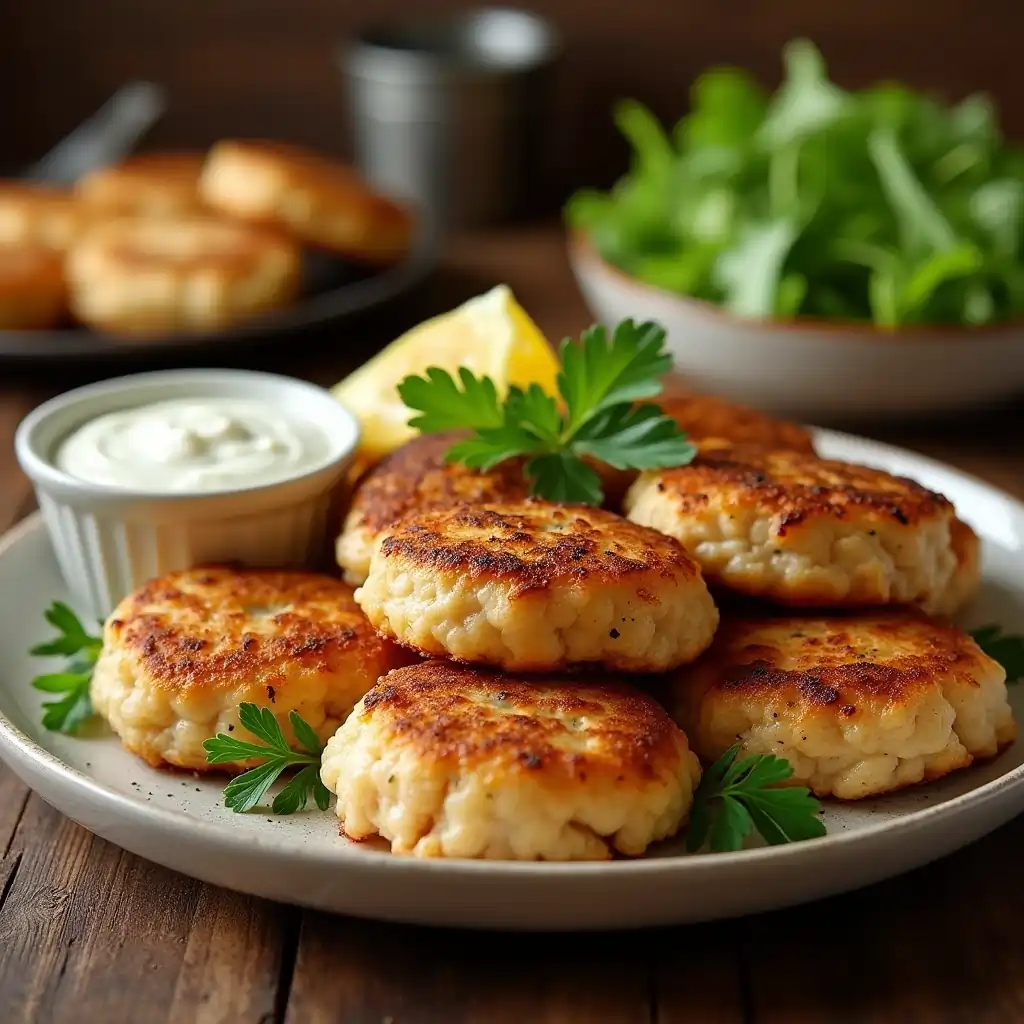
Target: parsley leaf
598	373
635	437
305	735
1006	648
562	476
737	795
245	791
83	649
304	784
445	407
488	448
600	382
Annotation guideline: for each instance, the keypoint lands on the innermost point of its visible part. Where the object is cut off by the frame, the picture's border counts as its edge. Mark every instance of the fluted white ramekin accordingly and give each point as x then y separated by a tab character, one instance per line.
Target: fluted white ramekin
110	540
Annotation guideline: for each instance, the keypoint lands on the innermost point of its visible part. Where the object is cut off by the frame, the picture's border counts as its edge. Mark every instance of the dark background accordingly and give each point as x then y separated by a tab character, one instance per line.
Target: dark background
266	67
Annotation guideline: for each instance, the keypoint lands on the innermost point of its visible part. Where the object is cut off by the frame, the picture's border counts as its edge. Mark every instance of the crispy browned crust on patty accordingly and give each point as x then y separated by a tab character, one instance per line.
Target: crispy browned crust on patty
559	729
707	416
533	545
219	628
796	487
846	664
416	478
860	704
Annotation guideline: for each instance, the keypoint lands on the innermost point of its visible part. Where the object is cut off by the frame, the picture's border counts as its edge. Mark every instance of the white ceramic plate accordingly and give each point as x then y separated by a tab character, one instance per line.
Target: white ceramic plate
177	819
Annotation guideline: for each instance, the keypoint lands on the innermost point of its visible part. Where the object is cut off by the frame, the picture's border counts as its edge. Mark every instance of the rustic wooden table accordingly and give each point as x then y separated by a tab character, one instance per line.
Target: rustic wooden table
91	934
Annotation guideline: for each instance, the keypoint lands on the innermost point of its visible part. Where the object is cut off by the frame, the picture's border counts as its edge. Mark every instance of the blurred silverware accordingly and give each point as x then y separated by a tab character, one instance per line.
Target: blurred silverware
108	135
450	113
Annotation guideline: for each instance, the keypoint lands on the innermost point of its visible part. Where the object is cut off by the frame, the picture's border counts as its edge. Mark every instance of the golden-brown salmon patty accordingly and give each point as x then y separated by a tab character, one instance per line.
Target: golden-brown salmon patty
145	185
318	200
858	704
795	529
183	652
416	478
447	761
537	587
33	294
703	417
197	272
39	216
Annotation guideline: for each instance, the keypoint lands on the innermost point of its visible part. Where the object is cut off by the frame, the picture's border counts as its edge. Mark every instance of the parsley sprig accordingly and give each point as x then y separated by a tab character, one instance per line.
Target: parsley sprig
737	795
245	791
82	649
601	382
1006	648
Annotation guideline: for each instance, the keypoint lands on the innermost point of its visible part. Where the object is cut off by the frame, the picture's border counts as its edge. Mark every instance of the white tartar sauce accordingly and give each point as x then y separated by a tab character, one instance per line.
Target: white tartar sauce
193	444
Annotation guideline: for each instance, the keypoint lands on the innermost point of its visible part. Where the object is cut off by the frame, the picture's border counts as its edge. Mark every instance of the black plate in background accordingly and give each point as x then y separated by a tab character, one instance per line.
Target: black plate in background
334	290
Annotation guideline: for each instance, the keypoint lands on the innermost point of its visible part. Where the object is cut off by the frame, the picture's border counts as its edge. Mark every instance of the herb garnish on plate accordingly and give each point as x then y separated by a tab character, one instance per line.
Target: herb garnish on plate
82	649
245	791
1006	648
739	794
601	415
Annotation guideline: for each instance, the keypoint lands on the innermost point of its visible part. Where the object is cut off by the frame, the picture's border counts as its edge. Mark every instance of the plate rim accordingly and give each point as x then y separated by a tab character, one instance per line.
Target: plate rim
17	746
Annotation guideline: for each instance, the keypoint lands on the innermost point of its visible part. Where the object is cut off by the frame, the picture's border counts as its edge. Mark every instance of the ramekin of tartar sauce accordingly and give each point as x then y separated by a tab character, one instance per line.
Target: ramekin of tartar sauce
156	472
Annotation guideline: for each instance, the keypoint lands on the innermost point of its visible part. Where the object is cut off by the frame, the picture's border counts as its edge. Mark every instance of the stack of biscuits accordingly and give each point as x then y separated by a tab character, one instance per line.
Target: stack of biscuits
520	679
180	242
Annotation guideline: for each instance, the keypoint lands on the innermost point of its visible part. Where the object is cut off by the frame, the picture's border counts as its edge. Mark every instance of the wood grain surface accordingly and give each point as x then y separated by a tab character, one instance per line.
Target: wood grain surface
89	933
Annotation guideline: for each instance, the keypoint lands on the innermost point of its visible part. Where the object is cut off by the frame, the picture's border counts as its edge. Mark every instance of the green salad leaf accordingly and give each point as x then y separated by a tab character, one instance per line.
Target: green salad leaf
881	205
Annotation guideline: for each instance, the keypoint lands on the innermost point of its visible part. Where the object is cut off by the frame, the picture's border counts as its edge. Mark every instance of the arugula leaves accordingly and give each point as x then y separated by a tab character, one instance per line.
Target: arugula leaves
245	791
737	795
601	381
757	203
82	649
1006	648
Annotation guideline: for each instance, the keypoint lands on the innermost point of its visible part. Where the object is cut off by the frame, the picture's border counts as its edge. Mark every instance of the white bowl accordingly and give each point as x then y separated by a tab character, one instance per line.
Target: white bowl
110	540
812	370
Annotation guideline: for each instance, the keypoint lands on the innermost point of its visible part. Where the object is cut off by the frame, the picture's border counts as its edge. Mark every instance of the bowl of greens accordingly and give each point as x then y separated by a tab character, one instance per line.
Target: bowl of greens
817	251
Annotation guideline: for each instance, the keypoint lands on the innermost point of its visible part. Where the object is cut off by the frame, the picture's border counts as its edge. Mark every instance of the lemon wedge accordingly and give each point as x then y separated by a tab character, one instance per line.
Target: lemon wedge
490	335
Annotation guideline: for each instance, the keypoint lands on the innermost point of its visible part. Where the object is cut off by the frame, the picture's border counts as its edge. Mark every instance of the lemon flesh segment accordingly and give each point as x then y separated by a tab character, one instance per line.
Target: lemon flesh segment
490	335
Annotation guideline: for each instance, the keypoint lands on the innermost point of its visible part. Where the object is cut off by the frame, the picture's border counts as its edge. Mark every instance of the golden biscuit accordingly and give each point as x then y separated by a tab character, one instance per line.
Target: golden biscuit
201	273
859	704
183	652
447	761
322	202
